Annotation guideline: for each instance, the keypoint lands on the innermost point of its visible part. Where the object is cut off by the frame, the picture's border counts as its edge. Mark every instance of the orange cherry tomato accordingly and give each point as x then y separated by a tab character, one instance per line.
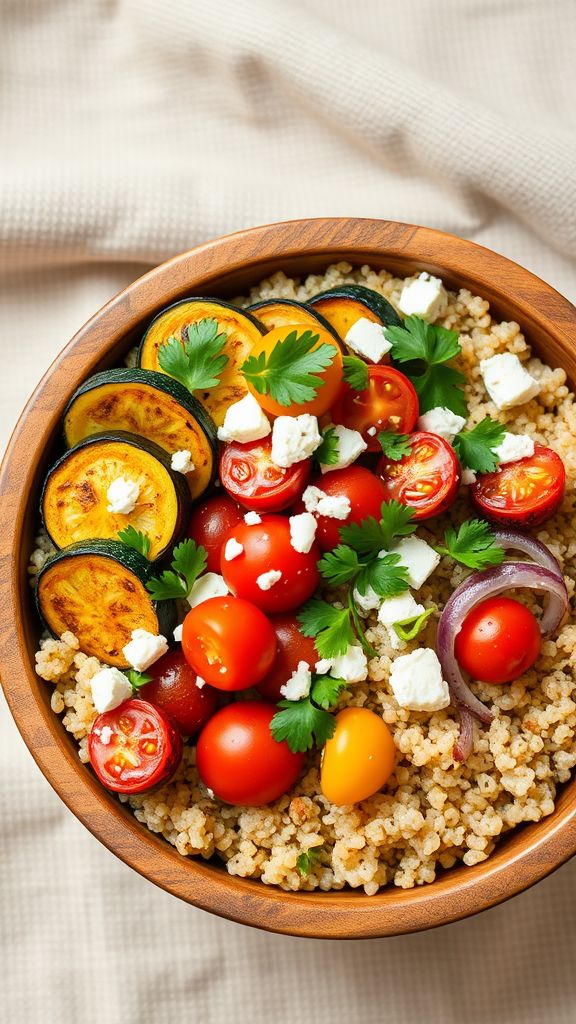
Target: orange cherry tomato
359	757
331	376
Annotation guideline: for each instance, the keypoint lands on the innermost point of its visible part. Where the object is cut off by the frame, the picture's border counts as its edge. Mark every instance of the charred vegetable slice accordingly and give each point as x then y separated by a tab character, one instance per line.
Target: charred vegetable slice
151	405
344	305
97	590
242	331
75	503
287	313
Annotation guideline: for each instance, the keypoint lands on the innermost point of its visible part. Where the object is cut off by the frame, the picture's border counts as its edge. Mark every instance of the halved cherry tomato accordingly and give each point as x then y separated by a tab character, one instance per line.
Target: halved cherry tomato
388	403
210	521
134	748
427	478
364	491
331	377
173	688
293	647
251	478
240	761
228	642
525	493
267	548
358	758
499	640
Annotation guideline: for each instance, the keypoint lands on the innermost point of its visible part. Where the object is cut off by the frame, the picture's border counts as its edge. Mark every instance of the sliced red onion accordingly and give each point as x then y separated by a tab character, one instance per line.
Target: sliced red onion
513	540
465	742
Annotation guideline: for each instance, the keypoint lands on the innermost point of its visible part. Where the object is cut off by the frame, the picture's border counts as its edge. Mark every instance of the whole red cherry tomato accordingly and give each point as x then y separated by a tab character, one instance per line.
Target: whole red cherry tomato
293	647
364	491
525	493
389	403
210	521
173	688
134	748
229	642
426	479
499	640
249	475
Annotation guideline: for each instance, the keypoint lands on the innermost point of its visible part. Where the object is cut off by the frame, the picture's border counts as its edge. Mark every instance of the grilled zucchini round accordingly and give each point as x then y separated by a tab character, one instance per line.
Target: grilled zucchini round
344	305
288	313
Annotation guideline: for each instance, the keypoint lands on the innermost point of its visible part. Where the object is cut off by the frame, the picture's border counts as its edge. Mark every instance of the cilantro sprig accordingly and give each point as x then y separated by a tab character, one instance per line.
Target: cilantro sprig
291	372
307	859
332	628
476	447
425	349
394	446
355	373
372	535
473	545
138	679
135	539
328	451
303	723
198	360
188	562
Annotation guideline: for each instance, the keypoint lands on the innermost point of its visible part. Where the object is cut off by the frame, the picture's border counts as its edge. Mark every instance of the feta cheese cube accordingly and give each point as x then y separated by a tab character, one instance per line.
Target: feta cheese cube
419	558
351	444
302	532
416	681
468	476
244	421
507	382
232	549
368	602
252	519
181	462
122	496
442	421
177	634
367	339
294	438
351	666
267	580
144	649
298	685
372	431
425	297
110	688
514	447
207	586
396	609
200	682
322	504
323	666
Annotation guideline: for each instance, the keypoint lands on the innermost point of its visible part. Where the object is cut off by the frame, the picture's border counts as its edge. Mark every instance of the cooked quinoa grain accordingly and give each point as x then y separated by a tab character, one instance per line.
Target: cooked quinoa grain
434	811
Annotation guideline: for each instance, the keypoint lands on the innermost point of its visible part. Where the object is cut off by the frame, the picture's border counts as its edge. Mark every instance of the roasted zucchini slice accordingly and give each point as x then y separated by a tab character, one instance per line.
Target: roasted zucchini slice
344	305
96	590
151	405
242	330
288	313
74	500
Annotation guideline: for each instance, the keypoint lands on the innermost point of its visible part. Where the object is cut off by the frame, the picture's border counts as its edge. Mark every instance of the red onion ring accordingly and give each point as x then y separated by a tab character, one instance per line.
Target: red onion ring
515	541
465	742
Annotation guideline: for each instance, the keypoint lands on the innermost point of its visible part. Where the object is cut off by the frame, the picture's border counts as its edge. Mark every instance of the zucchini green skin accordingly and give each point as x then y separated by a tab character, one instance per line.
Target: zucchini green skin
322	321
376	303
123	436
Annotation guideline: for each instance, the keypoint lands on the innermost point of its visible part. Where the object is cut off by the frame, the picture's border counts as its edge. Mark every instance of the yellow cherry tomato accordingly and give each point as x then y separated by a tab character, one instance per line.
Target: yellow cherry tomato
331	376
358	759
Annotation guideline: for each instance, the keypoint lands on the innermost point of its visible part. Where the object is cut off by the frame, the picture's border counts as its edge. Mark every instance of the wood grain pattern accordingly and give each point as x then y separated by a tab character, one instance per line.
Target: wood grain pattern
225	267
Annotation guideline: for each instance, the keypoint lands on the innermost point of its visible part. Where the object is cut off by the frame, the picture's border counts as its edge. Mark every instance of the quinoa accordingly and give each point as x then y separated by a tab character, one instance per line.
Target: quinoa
434	812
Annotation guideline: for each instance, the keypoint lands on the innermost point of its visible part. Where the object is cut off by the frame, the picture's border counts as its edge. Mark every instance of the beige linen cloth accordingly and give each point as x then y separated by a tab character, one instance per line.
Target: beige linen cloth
131	130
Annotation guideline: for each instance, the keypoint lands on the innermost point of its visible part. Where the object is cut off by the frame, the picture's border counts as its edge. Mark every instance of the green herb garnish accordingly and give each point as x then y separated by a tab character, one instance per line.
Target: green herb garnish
355	373
188	562
372	535
476	447
394	446
328	451
408	629
197	361
425	349
303	723
137	679
331	627
473	545
135	539
290	374
307	859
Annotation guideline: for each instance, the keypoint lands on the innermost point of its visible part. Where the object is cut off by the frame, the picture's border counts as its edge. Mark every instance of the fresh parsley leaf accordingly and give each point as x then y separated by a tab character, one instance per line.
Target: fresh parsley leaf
386	576
340	565
197	361
302	724
475	447
290	373
328	451
473	545
415	624
426	348
394	446
135	539
137	679
372	535
307	859
188	562
325	691
355	373
330	627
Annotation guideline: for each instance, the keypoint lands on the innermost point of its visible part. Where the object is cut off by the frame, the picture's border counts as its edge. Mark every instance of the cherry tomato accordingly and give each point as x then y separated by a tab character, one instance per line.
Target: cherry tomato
173	689
210	521
250	477
331	376
426	479
358	758
292	647
525	493
364	491
134	748
267	548
240	761
388	403
228	642
499	640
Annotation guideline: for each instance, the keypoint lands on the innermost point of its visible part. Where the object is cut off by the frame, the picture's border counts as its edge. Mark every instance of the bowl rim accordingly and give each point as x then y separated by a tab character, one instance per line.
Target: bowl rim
460	892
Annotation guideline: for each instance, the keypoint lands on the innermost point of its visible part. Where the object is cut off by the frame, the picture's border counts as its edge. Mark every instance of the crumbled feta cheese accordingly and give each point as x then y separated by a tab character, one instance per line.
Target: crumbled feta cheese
351	444
106	735
419	558
372	431
367	339
244	421
267	580
323	666
207	586
425	297
232	549
332	506
144	649
294	438
514	447
507	382
396	609
302	532
122	496
442	421
181	462
252	519
351	666
416	681
200	682
468	476
298	685
177	634
365	603
110	688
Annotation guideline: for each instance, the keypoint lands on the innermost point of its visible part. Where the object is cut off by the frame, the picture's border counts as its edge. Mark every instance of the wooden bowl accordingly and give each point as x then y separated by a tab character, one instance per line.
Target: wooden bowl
227	267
